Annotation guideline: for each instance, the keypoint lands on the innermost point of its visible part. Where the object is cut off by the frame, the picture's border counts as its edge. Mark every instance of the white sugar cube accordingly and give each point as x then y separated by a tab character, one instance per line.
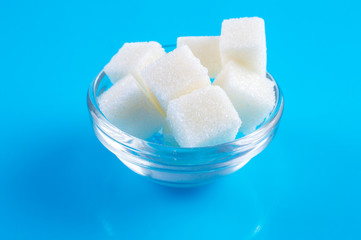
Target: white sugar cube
253	96
132	58
126	107
204	117
206	49
243	40
175	74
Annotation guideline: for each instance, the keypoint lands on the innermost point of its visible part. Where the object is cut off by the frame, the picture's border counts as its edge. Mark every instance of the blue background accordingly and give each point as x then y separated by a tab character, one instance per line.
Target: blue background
58	182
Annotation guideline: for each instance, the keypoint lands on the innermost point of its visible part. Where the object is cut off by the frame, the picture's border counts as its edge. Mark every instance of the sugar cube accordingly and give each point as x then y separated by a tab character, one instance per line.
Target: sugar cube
127	107
175	74
243	40
204	117
206	49
132	58
253	96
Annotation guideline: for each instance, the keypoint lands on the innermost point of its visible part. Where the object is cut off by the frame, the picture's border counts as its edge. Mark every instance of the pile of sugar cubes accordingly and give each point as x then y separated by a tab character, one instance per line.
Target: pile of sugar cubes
172	93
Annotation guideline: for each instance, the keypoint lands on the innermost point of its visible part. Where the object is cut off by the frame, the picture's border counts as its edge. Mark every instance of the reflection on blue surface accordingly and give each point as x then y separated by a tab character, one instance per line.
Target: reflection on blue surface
58	182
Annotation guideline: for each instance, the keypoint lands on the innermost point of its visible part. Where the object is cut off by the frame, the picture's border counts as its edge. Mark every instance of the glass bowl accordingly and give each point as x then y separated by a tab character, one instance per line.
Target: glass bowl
175	166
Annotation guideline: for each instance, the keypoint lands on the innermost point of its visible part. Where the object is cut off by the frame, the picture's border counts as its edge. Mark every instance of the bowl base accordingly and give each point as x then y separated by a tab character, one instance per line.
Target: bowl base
183	179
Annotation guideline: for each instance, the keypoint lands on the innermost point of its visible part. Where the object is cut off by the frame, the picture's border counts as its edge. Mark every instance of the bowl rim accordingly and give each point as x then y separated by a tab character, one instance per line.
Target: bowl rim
268	125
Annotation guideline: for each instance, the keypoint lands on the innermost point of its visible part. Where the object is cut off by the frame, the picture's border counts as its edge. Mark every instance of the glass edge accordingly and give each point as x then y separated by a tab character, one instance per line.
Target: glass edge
93	108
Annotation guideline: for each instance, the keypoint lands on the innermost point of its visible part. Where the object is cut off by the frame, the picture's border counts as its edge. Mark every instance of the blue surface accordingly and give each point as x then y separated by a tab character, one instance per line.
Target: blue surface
58	182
